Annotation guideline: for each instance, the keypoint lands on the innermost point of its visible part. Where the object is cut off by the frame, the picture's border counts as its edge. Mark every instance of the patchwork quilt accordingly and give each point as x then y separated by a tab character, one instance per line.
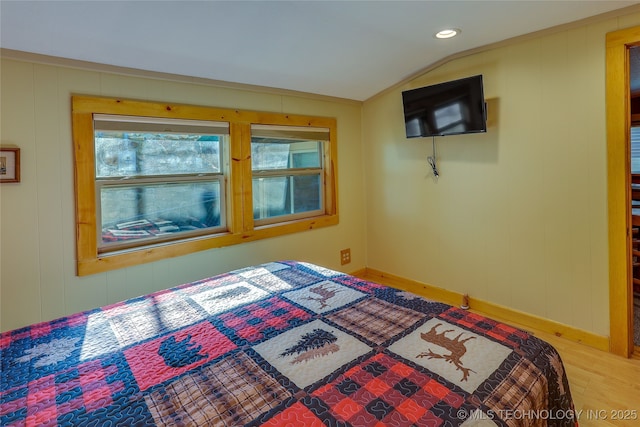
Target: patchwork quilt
284	343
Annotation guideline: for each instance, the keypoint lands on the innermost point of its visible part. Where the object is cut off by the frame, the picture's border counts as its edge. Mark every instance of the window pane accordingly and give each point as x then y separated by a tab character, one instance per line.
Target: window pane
121	154
286	195
305	159
306	193
158	210
274	154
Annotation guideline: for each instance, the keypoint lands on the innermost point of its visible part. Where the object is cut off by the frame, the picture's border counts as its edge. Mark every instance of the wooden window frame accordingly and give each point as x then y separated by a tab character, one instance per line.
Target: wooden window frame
280	133
240	223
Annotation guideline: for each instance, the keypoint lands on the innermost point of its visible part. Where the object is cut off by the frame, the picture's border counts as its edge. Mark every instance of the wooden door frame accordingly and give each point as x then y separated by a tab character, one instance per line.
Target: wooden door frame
619	189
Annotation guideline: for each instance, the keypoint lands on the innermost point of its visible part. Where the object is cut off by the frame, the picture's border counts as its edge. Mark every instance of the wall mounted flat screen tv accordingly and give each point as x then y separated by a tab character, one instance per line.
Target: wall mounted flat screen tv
449	108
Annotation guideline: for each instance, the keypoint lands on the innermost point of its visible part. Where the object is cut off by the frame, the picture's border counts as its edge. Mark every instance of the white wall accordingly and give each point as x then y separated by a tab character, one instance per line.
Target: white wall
518	216
37	251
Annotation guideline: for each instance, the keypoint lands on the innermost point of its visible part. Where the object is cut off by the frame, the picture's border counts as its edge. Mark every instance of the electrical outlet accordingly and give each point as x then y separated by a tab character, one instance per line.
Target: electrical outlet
345	256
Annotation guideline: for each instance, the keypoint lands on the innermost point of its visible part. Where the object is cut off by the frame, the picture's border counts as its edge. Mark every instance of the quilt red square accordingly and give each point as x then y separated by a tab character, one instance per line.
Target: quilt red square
347	408
411	410
179	352
377	386
43	417
42	391
436	389
295	415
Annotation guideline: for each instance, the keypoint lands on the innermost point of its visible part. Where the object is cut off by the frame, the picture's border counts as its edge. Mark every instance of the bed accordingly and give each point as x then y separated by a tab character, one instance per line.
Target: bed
284	343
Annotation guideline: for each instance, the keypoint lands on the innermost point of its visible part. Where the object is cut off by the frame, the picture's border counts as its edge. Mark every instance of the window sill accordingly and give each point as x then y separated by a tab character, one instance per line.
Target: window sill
130	257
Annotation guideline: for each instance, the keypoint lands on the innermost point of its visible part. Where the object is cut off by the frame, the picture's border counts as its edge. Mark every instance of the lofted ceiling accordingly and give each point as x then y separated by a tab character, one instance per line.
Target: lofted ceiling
347	49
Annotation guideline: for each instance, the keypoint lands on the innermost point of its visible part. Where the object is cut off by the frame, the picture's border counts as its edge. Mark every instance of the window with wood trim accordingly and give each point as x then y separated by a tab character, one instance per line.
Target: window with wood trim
286	163
155	181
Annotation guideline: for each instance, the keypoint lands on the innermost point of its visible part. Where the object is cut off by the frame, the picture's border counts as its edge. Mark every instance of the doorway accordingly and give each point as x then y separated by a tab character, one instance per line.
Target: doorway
634	142
619	189
634	145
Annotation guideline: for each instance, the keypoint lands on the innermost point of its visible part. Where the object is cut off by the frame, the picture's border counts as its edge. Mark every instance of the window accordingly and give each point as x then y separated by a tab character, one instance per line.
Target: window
155	180
287	172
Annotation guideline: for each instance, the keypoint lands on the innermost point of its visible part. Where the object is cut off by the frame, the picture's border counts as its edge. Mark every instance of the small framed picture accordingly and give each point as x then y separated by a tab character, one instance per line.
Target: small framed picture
9	164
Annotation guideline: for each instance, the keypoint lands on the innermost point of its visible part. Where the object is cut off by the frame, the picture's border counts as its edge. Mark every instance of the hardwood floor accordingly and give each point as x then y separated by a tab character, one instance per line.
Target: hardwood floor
605	387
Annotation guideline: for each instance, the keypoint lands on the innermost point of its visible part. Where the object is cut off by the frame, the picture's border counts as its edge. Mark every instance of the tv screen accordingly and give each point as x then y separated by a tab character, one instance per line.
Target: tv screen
449	108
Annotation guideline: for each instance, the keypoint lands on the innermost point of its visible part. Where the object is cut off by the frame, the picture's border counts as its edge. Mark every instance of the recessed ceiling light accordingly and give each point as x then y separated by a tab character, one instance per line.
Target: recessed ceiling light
447	33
